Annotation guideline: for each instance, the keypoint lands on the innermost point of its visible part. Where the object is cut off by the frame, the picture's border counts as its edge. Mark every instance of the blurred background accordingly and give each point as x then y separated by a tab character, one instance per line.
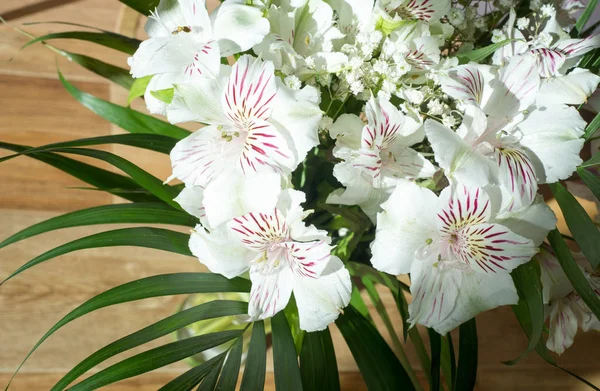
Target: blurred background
36	110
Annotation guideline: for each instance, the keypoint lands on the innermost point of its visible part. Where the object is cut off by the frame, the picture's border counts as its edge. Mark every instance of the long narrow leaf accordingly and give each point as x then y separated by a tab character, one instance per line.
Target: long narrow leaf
592	127
127	119
155	358
285	361
141	213
586	15
530	308
574	273
594	161
142	6
143	178
256	363
194	376
156	238
115	41
435	343
231	369
580	224
117	75
213	309
378	365
155	286
318	366
152	142
448	361
466	373
479	55
591	181
210	380
102	179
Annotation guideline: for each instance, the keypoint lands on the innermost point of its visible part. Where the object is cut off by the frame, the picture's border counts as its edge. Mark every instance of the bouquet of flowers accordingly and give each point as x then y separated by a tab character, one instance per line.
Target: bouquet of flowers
344	146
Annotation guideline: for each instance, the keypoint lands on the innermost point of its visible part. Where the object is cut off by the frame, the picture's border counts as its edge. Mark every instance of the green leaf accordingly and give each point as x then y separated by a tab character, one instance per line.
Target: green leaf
210	381
358	303
111	72
165	96
466	373
138	88
256	362
109	181
142	213
479	55
435	343
591	180
592	127
293	318
143	178
580	224
156	238
573	272
318	366
448	361
231	369
127	119
530	308
142	6
155	358
151	142
285	361
194	376
586	15
594	161
155	286
213	309
115	41
378	365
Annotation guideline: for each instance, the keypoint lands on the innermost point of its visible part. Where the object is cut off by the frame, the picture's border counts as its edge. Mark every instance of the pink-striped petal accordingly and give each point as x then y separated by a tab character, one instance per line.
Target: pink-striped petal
516	173
577	47
265	149
205	61
462	207
549	61
259	231
270	292
467	83
250	92
425	10
308	259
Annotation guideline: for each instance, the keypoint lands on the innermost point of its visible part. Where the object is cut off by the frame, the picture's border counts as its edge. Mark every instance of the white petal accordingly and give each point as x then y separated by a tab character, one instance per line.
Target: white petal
562	326
320	300
428	11
468	83
573	89
552	137
160	82
434	291
238	26
289	203
198	100
347	131
478	293
578	47
549	61
259	231
532	221
270	293
191	200
514	90
234	195
457	158
517	174
266	149
403	228
220	251
171	14
366	196
555	283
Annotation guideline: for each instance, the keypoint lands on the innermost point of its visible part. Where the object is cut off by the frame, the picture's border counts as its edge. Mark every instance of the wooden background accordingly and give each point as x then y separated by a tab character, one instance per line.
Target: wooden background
36	110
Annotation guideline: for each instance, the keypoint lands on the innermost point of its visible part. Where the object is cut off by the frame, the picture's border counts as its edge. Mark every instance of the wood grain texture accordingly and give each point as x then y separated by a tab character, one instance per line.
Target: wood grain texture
35	110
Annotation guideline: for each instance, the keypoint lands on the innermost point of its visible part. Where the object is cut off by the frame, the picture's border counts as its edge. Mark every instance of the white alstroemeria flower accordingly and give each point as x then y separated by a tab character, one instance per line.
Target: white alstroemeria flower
567	312
283	256
456	248
185	43
414	44
301	38
376	155
509	146
353	17
425	10
257	126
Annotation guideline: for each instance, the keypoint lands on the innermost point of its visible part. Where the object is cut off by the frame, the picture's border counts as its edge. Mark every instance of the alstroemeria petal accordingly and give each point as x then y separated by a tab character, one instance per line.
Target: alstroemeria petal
468	83
321	300
234	194
562	327
426	10
516	173
577	47
308	259
532	221
171	14
160	82
347	132
238	26
407	163
459	159
191	200
402	231
257	231
199	157
572	89
434	290
514	90
549	61
265	150
460	206
477	293
198	100
552	138
220	252
362	194
270	292
555	283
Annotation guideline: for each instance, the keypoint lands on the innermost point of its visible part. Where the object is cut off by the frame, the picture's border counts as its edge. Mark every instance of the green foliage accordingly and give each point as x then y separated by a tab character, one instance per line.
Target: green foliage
256	363
115	41
142	6
586	15
285	361
318	365
480	55
138	88
466	372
